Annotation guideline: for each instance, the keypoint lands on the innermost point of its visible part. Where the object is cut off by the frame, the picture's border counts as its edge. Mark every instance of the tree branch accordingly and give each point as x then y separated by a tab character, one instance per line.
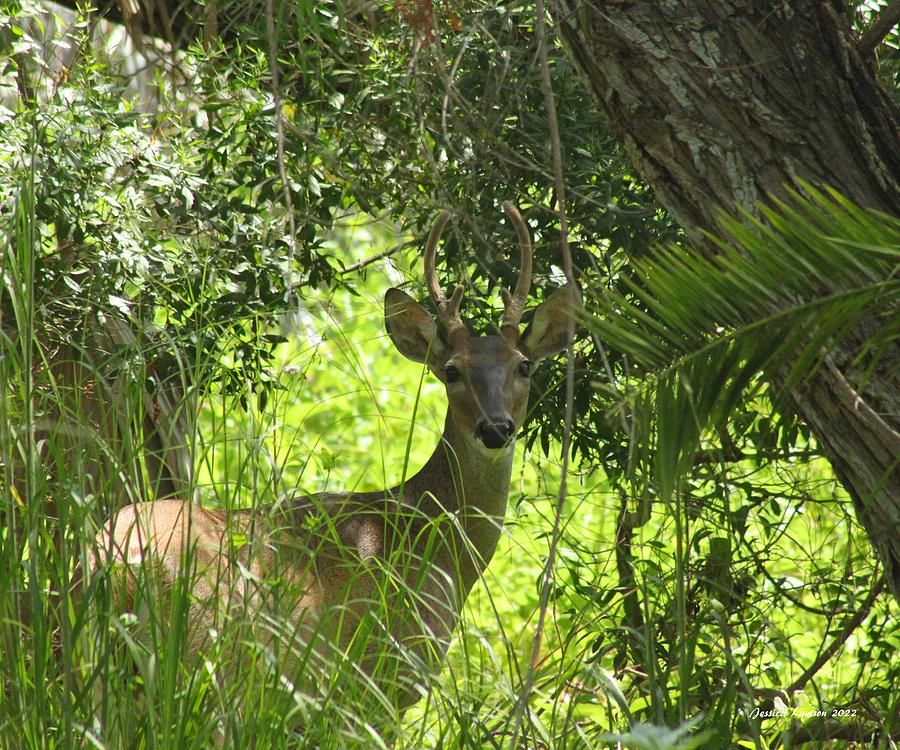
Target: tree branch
876	33
735	455
822	729
849	626
631	601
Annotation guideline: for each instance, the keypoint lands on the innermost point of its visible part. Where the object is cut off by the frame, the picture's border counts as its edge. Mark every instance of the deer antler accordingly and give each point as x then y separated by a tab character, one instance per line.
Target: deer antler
514	304
447	309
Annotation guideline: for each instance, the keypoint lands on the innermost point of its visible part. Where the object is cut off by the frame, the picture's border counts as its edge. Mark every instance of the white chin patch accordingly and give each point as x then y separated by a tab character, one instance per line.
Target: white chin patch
493	452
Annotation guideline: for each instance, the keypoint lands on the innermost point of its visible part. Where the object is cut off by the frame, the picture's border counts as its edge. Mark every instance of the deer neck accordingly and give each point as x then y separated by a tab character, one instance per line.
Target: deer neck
464	479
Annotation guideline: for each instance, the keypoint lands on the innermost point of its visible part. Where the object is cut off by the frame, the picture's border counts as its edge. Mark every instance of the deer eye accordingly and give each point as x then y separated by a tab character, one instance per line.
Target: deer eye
451	373
525	368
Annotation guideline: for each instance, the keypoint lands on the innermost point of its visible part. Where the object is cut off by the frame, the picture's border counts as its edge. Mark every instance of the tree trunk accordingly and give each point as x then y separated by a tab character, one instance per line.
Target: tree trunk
722	104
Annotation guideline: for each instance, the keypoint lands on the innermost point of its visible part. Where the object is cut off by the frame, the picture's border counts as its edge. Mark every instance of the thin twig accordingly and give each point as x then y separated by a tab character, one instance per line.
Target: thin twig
380	256
279	134
560	189
782	591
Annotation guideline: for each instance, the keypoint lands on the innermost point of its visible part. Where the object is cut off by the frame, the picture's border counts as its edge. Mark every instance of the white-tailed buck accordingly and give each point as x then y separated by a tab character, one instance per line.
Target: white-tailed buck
329	576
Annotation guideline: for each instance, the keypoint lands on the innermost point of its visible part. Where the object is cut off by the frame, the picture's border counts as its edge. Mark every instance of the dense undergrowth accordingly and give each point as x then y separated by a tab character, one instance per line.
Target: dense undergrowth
163	334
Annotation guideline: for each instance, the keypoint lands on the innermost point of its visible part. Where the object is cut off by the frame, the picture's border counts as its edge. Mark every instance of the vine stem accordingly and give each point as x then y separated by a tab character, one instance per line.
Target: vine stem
560	190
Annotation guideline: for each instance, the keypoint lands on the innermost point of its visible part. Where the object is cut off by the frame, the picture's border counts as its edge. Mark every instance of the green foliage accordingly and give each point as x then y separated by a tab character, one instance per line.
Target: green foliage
736	474
178	225
783	290
406	129
707	558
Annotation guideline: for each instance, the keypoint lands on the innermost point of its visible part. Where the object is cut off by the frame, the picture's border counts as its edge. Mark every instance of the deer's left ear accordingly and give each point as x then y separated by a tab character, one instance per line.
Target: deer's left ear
548	331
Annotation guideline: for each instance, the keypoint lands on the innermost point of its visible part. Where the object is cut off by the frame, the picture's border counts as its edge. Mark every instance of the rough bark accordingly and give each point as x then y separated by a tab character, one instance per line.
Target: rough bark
721	104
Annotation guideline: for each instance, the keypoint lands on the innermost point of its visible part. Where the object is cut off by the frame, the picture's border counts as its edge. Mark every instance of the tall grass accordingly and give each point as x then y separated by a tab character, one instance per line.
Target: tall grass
81	667
80	670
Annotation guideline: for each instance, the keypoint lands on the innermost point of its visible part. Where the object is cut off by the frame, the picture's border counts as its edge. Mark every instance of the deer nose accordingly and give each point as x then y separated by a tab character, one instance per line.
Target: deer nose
495	433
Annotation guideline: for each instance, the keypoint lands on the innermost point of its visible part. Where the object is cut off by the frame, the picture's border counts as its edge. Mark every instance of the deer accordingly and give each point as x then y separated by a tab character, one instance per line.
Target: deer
351	566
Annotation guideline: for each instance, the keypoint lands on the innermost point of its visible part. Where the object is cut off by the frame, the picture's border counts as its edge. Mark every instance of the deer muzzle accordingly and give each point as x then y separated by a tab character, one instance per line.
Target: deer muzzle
495	433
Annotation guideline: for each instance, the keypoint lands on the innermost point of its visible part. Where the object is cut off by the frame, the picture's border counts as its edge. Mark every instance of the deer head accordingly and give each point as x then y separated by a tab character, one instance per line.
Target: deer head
487	377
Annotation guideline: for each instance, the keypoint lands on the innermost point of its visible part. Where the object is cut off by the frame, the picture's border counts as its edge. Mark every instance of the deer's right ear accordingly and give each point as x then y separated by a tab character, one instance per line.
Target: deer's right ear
411	328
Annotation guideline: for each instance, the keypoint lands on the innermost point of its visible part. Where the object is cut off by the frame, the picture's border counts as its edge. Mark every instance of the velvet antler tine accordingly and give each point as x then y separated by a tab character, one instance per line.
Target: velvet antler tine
447	309
434	236
514	304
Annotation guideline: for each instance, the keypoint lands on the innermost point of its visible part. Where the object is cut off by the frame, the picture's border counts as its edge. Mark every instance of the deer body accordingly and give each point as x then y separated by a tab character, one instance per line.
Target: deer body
396	563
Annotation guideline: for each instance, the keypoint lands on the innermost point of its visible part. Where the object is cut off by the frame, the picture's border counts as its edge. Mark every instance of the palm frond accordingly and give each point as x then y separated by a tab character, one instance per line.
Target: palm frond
784	289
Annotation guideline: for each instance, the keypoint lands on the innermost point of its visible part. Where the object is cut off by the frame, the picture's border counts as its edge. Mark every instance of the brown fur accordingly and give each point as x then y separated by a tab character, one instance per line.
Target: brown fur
403	558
